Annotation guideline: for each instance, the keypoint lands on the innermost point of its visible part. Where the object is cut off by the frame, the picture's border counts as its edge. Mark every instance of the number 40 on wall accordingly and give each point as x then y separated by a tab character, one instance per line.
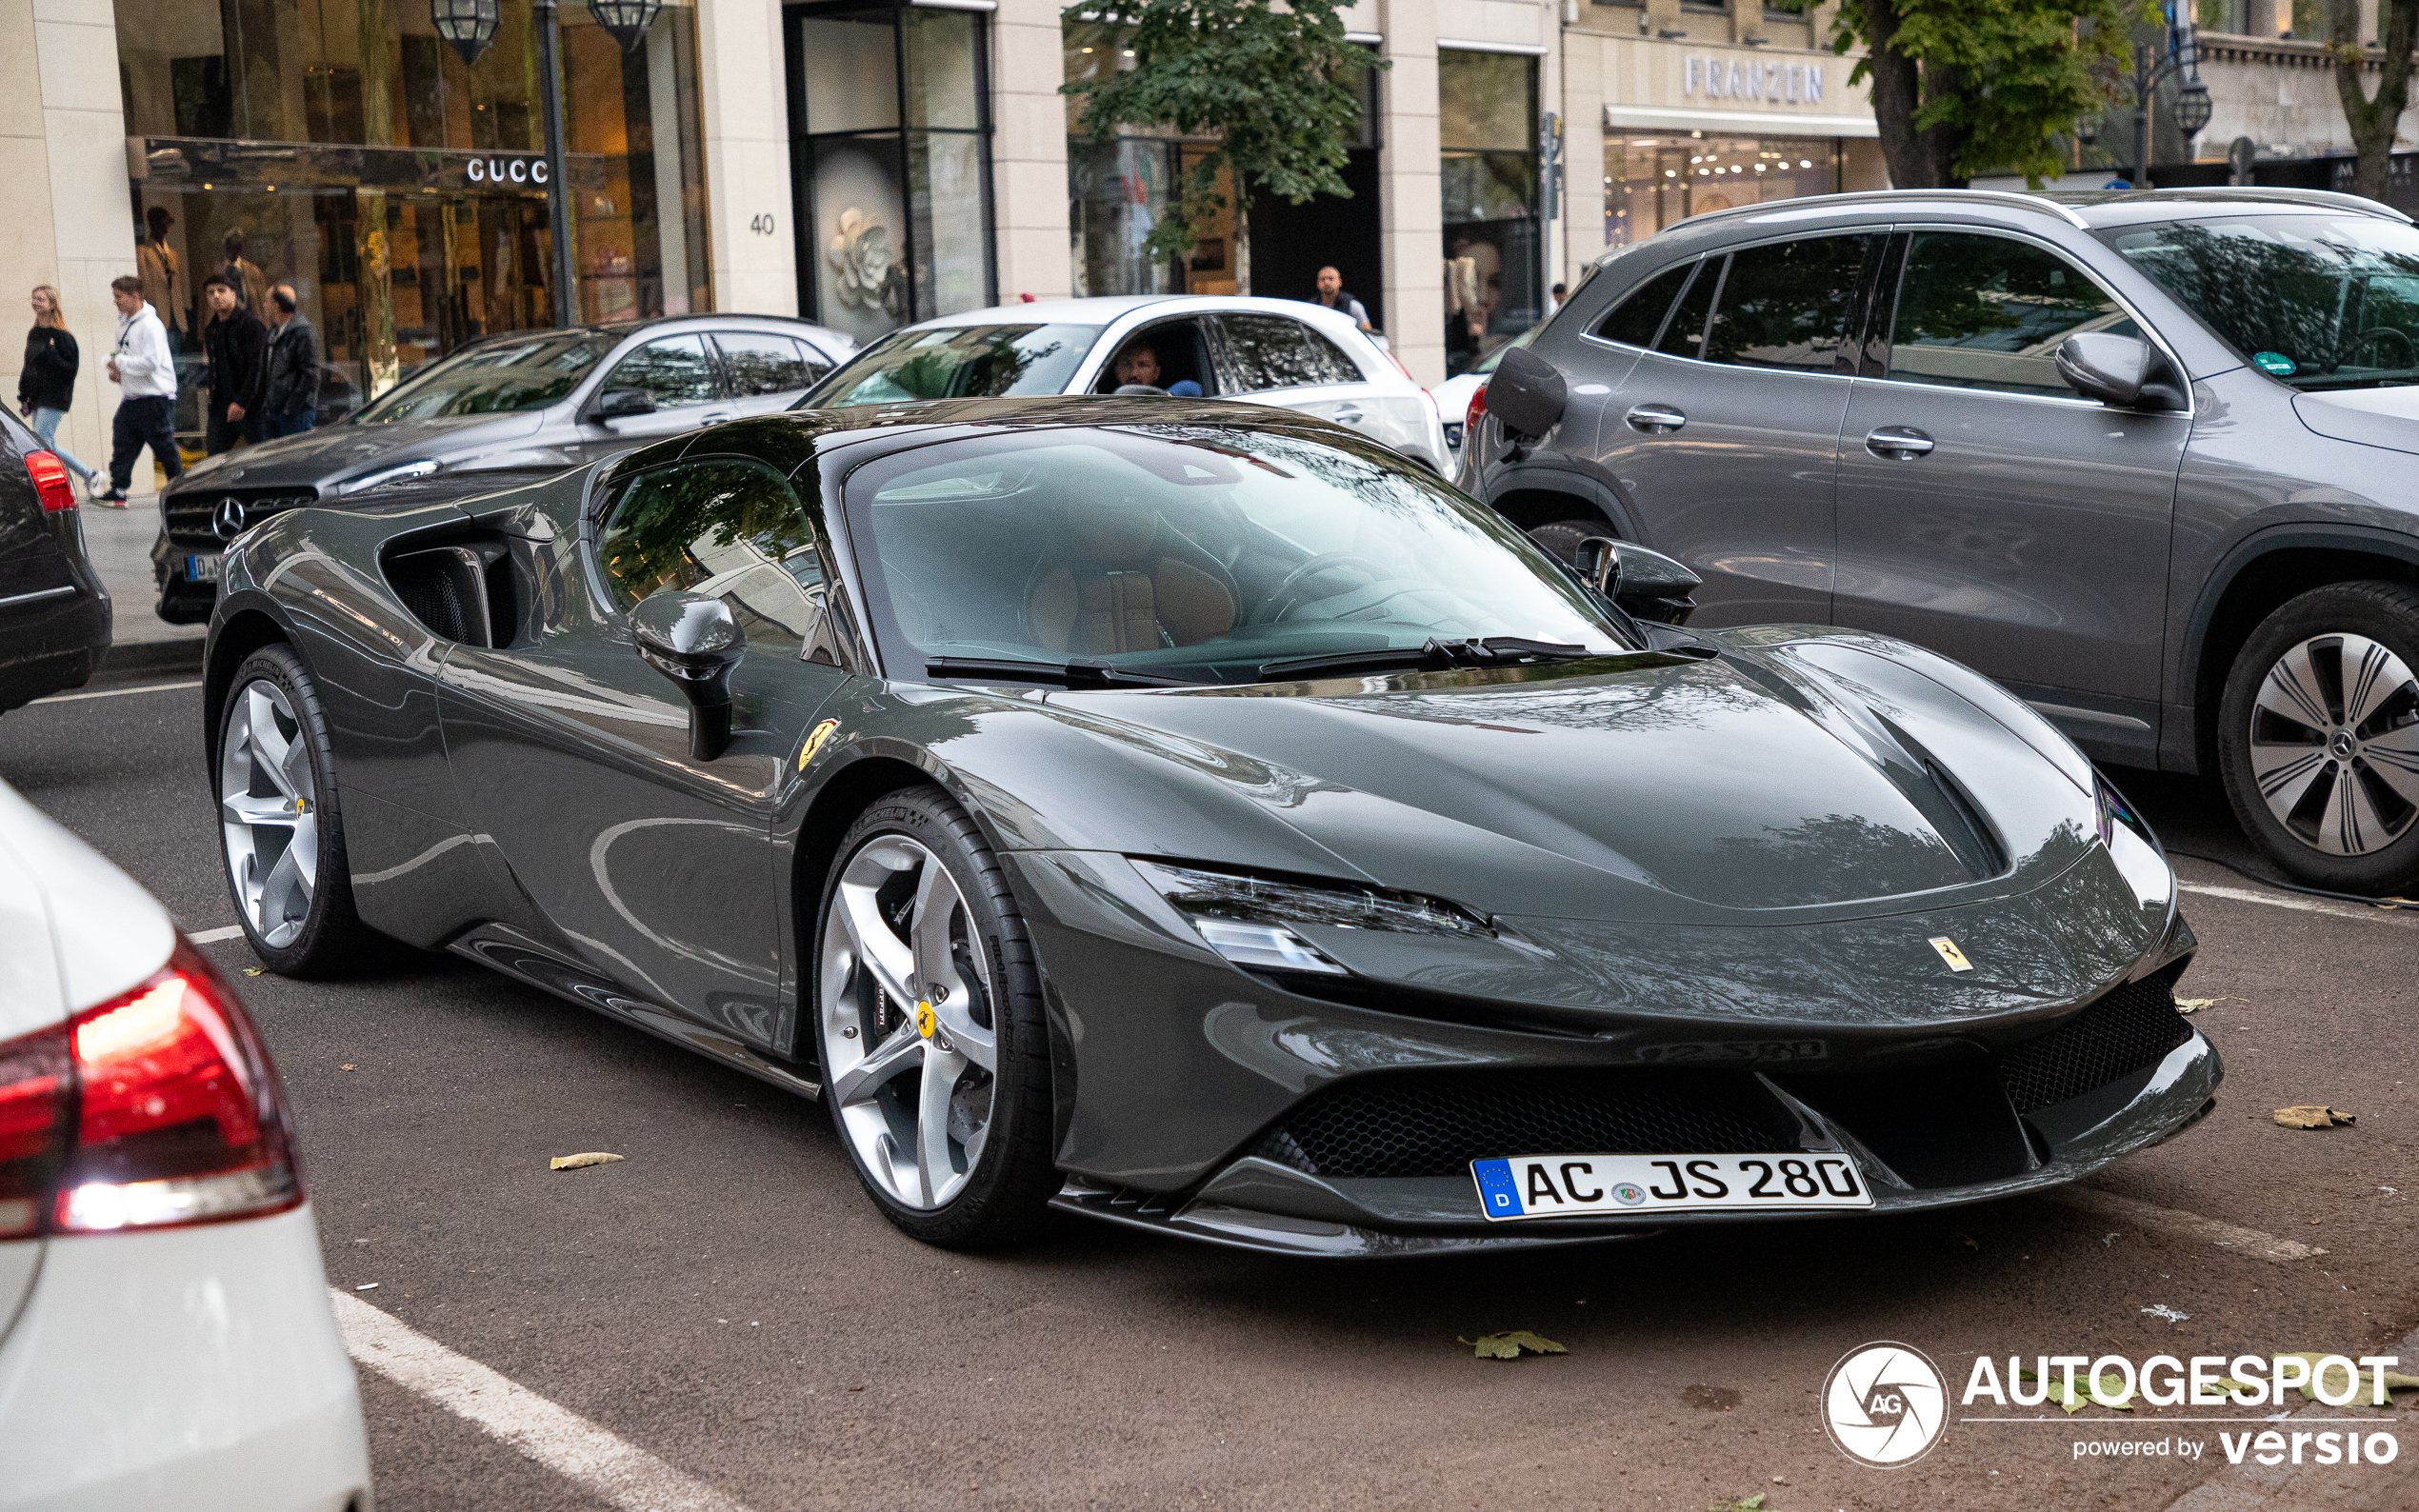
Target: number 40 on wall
762	225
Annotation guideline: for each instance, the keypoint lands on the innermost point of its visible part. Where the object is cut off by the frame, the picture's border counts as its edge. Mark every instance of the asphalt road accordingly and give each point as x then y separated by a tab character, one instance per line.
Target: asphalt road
727	1300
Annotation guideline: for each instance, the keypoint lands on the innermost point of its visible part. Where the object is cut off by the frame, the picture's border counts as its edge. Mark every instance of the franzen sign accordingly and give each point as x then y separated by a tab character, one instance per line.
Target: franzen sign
508	171
1752	79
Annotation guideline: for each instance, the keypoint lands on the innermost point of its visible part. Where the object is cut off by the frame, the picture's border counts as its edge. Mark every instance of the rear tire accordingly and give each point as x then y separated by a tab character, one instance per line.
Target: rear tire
924	970
2318	737
281	821
1562	537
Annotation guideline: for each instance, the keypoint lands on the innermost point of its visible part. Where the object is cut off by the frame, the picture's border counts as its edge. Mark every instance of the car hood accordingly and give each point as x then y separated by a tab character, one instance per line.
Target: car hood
2373	417
318	457
1819	777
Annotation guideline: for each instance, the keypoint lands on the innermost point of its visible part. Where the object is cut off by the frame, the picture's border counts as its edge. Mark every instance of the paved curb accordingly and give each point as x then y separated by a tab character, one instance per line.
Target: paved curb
153	656
2312	1487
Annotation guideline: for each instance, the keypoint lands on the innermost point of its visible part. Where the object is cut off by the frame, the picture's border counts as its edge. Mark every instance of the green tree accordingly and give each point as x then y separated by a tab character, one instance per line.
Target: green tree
2372	119
1270	86
1967	86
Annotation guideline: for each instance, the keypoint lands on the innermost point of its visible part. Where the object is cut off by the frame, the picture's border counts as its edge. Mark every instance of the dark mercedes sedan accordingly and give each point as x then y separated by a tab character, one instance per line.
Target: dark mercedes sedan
1201	816
521	404
54	614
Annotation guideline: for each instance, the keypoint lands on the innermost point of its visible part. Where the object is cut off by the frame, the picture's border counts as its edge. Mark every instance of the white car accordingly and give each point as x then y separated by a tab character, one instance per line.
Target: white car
1268	351
165	1335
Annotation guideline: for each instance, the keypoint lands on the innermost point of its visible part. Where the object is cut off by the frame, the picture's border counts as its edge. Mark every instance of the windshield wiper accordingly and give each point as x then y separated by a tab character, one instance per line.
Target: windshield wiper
1495	650
1082	671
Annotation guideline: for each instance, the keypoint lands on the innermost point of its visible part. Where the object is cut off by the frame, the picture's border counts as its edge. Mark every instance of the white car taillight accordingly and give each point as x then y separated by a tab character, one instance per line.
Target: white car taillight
159	1108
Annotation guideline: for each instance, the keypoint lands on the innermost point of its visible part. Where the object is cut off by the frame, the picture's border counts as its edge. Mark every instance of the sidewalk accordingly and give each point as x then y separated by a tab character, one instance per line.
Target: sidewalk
119	543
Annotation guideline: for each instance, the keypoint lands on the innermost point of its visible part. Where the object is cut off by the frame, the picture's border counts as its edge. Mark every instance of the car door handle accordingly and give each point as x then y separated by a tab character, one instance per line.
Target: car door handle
1898	443
1349	414
1655	420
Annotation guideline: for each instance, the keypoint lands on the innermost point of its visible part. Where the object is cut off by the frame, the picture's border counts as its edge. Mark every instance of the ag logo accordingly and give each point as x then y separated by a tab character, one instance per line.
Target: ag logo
1885	1405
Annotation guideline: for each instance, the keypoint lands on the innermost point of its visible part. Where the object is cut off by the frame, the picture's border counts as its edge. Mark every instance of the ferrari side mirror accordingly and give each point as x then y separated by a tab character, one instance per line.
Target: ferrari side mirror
1599	561
692	639
1647	584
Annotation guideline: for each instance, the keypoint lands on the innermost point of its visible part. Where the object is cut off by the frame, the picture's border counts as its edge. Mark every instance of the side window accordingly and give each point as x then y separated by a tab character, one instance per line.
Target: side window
724	527
1978	312
1787	305
1636	321
765	365
675	372
1270	351
1683	334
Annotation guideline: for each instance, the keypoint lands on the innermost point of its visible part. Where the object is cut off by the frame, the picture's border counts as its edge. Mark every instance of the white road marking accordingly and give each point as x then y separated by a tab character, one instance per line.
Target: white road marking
118	692
2282	899
2184	1225
233	931
600	1463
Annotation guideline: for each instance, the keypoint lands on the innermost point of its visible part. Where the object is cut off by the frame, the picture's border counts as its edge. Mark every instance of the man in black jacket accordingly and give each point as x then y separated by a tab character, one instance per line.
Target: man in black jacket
237	346
289	405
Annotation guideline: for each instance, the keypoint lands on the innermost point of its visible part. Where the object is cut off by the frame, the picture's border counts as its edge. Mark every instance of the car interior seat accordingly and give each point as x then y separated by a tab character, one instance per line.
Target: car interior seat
1127	583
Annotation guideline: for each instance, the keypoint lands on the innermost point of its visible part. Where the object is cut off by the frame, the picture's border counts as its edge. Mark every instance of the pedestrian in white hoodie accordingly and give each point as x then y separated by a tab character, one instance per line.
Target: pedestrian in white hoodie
145	371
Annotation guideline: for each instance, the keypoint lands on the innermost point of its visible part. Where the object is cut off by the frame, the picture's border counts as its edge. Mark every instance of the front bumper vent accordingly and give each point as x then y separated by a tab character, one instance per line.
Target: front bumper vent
2125	1031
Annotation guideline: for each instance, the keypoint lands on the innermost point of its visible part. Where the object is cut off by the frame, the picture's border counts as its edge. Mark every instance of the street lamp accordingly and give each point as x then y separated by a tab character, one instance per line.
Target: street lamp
467	24
2192	100
625	20
2192	108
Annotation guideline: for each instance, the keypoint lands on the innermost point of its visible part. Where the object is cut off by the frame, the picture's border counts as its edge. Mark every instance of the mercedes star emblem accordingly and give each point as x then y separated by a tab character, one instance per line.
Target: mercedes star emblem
226	521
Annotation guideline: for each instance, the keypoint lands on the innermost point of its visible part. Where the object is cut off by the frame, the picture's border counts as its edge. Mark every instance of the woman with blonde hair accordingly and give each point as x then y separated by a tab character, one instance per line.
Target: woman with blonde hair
46	385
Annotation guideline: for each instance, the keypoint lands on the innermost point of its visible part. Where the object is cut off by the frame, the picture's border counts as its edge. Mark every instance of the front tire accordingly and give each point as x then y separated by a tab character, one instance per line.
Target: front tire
1562	537
2318	737
929	1021
281	821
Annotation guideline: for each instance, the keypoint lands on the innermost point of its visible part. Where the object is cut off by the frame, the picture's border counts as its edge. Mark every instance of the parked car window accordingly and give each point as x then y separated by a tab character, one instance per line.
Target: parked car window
1990	311
727	527
494	378
1683	334
957	362
2316	301
1636	321
1787	305
674	371
761	364
1270	351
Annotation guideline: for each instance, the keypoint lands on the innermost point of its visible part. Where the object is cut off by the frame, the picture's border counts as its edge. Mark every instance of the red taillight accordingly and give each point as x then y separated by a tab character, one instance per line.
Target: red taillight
1477	408
156	1109
51	481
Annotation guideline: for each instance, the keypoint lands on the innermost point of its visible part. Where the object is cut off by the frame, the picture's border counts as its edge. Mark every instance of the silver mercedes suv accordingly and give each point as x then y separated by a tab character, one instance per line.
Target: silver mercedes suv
2145	458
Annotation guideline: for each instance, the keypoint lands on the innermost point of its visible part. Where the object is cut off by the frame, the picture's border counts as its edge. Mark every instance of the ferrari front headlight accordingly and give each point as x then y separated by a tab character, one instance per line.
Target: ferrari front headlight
1252	919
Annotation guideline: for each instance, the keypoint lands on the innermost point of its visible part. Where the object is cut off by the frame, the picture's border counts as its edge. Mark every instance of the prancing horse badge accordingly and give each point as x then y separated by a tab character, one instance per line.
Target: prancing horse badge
1950	954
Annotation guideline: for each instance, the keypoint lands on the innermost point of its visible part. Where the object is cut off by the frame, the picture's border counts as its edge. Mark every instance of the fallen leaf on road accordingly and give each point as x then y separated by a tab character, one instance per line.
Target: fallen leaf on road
572	1163
1753	1504
2084	1394
252	971
2313	1115
1509	1344
346	1066
2380	1395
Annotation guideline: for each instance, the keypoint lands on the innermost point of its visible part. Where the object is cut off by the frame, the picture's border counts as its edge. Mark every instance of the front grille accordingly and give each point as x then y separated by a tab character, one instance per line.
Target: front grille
193	513
1435	1122
2127	1029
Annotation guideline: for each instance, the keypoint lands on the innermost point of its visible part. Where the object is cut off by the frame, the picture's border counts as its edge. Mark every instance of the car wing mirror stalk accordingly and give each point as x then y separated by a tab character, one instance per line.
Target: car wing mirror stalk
692	639
2125	371
1647	584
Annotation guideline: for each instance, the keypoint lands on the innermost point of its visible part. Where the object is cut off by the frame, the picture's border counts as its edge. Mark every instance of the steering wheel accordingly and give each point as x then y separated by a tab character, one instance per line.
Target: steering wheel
1278	606
2409	356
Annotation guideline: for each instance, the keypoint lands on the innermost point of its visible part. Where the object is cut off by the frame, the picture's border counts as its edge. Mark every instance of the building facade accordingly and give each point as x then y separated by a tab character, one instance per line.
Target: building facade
862	163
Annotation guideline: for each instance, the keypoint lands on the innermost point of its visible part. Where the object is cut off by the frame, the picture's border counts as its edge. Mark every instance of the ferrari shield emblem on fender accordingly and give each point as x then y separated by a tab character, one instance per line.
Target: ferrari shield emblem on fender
1950	954
814	742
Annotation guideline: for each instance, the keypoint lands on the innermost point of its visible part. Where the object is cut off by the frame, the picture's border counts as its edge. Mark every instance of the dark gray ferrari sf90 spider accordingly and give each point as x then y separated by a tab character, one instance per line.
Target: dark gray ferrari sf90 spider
1195	816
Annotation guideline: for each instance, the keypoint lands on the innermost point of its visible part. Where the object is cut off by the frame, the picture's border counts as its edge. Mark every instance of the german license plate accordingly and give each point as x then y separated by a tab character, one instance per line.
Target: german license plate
1598	1185
203	569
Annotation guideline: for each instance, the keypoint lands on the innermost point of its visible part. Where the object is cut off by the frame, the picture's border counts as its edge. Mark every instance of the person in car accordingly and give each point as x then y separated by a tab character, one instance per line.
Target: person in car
1139	363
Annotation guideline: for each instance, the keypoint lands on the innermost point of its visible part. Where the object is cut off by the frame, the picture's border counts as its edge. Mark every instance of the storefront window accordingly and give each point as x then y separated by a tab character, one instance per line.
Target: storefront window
1118	190
890	164
1488	127
340	145
1652	181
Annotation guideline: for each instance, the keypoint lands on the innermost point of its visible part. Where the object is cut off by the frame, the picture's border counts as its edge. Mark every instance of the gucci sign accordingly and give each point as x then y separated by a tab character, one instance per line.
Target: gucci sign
1754	79
508	171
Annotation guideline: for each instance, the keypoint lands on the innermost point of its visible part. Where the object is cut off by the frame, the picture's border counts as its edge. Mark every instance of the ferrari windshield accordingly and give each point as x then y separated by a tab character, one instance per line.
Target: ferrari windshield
494	379
957	362
2316	301
1192	552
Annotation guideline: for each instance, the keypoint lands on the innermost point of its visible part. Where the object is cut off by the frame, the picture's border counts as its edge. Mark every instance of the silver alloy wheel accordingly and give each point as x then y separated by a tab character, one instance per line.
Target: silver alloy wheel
2334	743
910	1056
269	811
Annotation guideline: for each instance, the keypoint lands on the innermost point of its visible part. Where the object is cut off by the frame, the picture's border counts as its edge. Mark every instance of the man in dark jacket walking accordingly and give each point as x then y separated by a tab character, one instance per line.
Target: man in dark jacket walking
290	404
236	345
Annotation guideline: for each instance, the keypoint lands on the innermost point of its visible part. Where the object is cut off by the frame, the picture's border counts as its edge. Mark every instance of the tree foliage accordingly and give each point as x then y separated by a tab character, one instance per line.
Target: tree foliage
2372	118
1968	87
1271	87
